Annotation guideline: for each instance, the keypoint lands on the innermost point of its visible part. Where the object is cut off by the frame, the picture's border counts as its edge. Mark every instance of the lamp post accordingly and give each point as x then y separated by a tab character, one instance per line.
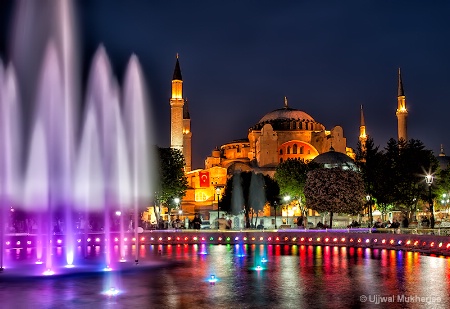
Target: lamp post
445	200
369	202
275	204
286	199
218	209
429	181
177	207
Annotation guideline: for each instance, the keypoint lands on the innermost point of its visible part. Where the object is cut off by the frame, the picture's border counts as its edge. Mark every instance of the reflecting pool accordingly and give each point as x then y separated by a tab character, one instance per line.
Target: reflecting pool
237	276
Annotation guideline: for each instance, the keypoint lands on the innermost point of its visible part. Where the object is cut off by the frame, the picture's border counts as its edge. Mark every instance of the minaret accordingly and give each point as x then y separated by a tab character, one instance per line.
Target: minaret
362	131
176	109
402	112
187	138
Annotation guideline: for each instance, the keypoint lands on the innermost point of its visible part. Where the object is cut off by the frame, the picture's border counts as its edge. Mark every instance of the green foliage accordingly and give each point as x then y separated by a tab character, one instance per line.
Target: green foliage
291	178
394	177
335	190
172	180
406	166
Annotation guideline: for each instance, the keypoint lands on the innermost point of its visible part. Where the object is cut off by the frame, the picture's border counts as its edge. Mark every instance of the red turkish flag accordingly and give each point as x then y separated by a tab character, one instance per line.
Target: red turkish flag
204	178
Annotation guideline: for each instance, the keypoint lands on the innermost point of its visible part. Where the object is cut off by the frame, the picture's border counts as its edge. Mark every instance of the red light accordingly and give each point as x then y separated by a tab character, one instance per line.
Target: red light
142	238
327	239
383	241
359	239
416	243
408	242
220	238
178	238
253	238
343	239
335	239
203	238
391	241
302	239
186	238
286	238
269	239
310	239
318	239
432	244
351	239
277	239
169	238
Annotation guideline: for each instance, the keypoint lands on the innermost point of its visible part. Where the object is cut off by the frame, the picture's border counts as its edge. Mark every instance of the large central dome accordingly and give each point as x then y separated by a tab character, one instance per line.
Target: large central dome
286	113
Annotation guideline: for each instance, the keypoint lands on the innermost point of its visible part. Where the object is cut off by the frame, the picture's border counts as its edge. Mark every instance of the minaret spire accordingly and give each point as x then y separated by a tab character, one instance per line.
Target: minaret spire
285	102
402	111
176	109
362	131
442	153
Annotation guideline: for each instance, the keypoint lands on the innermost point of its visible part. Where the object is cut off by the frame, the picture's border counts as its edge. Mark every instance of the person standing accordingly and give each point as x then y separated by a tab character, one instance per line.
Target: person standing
196	222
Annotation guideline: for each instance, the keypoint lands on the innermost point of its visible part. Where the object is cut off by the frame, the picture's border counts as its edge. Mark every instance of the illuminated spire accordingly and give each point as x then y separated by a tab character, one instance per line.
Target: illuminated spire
285	102
442	154
177	71
400	91
363	124
362	131
402	111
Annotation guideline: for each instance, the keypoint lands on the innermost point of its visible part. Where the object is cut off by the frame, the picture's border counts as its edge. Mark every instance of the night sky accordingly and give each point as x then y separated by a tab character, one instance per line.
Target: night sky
240	58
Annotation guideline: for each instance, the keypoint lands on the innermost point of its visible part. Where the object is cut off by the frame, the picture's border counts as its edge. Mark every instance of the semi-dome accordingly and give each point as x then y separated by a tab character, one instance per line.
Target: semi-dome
332	159
286	113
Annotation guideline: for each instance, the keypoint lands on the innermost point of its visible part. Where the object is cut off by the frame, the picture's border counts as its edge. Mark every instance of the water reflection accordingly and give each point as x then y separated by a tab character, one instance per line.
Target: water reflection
290	276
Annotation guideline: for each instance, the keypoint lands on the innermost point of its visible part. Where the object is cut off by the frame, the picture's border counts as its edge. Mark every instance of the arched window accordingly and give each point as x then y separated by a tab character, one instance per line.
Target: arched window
301	150
281	151
294	149
288	150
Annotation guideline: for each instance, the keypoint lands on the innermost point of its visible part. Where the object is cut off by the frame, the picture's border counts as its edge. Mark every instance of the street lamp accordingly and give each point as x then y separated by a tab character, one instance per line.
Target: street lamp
218	214
370	210
429	181
275	204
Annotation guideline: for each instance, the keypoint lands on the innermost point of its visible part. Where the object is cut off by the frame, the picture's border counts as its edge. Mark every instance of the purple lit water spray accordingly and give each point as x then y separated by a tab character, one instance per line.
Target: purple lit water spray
106	169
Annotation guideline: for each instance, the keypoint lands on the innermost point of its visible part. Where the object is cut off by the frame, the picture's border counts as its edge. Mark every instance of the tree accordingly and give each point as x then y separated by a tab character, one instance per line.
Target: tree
172	181
291	178
372	165
406	164
335	191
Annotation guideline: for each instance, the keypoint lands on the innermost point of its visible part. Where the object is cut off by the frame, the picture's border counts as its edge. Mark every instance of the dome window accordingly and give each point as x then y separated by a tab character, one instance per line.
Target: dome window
294	149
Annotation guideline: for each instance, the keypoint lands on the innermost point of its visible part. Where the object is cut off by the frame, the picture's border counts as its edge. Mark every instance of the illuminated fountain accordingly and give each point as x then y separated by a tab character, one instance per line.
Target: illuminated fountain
62	169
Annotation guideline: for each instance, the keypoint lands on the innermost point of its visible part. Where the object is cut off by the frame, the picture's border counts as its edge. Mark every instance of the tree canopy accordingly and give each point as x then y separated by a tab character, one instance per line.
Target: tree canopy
291	178
172	180
335	190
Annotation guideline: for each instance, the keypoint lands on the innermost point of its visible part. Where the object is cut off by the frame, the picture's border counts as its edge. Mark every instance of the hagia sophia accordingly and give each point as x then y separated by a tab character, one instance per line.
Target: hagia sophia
281	134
